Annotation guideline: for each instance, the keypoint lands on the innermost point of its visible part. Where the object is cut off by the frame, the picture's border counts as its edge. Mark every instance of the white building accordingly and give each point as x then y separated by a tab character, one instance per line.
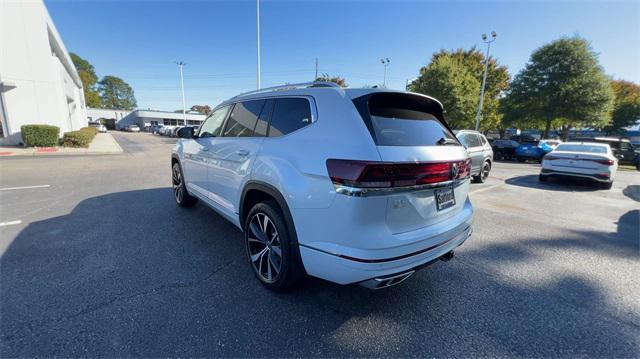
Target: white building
147	118
38	81
109	116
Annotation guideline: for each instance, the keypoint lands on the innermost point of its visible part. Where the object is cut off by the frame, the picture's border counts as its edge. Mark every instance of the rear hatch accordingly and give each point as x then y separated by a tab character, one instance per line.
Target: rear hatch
567	161
424	160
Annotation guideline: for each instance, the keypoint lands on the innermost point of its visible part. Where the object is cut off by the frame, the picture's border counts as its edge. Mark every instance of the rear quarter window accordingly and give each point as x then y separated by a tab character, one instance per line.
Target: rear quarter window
289	114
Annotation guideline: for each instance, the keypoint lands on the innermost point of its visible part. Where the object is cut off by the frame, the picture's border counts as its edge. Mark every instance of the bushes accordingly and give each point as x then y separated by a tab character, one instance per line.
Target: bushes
48	136
40	135
80	138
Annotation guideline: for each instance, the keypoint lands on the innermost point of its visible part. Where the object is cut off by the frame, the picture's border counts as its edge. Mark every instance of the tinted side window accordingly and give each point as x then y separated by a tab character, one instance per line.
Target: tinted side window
474	140
243	119
483	140
213	125
289	114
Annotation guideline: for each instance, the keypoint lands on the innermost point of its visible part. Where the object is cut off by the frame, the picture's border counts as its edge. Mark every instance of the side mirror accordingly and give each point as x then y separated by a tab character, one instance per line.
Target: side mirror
620	156
186	132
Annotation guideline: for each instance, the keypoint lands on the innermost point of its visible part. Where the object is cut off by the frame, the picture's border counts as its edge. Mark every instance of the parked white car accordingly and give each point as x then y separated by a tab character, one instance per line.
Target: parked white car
349	185
594	161
133	128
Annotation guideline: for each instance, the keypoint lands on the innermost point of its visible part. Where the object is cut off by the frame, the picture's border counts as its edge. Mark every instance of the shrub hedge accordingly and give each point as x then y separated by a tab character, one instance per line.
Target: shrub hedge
80	138
40	135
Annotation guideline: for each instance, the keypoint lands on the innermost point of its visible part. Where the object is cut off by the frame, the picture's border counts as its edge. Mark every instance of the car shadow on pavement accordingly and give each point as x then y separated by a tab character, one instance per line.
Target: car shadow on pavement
633	192
554	184
131	274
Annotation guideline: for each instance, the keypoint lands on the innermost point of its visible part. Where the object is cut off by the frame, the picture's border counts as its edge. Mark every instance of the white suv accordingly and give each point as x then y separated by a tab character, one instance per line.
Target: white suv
349	185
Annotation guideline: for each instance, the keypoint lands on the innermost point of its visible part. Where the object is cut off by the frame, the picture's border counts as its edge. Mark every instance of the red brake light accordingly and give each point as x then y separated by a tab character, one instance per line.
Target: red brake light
606	162
370	174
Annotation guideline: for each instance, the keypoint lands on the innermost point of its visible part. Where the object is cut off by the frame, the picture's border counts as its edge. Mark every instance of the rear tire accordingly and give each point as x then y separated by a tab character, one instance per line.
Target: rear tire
606	185
484	173
543	178
521	159
180	194
271	251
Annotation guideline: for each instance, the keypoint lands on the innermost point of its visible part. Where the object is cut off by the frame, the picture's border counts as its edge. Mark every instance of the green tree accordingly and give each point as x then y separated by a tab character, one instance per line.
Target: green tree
562	86
455	77
89	79
337	79
116	93
626	106
203	109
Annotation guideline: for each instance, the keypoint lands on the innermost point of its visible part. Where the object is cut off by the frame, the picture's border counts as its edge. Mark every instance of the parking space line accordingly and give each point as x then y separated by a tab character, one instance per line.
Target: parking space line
485	188
10	223
25	187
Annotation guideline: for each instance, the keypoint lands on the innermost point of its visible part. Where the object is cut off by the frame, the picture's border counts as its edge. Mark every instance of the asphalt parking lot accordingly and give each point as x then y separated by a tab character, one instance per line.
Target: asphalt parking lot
99	261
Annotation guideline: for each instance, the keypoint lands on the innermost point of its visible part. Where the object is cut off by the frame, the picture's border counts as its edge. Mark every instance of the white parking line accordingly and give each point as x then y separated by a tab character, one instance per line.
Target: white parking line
25	187
10	223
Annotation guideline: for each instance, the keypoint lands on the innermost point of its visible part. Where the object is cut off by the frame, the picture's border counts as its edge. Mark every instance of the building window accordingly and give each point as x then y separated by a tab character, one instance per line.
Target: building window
170	122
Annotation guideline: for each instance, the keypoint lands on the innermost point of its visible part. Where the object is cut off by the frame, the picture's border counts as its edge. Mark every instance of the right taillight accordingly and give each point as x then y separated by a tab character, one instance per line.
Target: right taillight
373	174
606	162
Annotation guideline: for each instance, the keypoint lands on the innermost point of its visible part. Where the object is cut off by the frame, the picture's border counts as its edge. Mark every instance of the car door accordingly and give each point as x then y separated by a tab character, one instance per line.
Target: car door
197	160
234	151
627	153
475	150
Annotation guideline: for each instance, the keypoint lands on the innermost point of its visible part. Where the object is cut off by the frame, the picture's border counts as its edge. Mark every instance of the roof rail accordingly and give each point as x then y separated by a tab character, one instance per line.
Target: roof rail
291	86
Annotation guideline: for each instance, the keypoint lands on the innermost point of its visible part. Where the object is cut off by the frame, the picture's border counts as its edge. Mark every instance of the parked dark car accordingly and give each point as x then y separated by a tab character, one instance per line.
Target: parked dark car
622	148
504	149
523	138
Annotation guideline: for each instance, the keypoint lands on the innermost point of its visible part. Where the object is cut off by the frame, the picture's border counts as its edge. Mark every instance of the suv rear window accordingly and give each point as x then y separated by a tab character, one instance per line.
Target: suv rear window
398	119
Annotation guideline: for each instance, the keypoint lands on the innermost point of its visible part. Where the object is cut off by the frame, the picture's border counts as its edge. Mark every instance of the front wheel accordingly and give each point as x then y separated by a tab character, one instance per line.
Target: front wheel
270	250
543	178
180	194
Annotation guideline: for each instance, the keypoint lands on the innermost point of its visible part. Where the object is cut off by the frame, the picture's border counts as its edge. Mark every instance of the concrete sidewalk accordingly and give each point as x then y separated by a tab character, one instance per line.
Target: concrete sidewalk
103	144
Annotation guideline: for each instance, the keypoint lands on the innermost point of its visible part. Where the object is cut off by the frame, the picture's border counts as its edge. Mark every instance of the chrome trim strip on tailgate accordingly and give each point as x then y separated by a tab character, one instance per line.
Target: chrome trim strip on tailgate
367	192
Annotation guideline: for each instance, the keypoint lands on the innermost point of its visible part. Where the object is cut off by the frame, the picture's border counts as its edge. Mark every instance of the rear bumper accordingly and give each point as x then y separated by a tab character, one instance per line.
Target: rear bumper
592	176
360	265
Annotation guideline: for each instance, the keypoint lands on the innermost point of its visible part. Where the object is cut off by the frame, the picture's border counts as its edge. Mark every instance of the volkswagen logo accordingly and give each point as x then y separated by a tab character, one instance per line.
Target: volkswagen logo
454	170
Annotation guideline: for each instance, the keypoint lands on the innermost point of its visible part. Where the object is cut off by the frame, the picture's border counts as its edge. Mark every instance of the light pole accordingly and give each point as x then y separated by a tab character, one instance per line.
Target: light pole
484	77
385	62
258	40
184	105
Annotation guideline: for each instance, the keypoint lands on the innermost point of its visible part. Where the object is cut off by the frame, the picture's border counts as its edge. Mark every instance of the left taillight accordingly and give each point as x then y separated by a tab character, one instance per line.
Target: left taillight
373	174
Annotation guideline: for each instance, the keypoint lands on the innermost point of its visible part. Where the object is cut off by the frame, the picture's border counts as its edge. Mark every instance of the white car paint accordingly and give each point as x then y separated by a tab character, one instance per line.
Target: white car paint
581	159
388	234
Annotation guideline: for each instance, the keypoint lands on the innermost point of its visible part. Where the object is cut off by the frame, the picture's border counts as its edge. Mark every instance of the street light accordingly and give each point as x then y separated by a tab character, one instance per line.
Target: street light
385	62
184	106
258	41
484	77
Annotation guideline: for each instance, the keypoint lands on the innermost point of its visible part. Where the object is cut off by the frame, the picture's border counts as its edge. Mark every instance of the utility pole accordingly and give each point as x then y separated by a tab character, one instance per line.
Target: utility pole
184	105
258	39
315	78
385	62
484	76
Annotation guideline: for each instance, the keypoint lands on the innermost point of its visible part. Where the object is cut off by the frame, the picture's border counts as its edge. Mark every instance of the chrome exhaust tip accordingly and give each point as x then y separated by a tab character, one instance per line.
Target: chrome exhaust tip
386	282
447	256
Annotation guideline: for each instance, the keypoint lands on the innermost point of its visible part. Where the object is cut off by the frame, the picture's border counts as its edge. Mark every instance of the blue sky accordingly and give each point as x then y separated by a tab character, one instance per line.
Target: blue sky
140	41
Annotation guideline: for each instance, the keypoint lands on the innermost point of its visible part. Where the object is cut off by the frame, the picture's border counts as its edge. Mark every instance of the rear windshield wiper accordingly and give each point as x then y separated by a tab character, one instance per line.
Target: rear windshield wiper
447	141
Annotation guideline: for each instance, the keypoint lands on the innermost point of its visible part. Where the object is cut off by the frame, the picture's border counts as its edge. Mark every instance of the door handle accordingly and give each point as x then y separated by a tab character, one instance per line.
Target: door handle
242	153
